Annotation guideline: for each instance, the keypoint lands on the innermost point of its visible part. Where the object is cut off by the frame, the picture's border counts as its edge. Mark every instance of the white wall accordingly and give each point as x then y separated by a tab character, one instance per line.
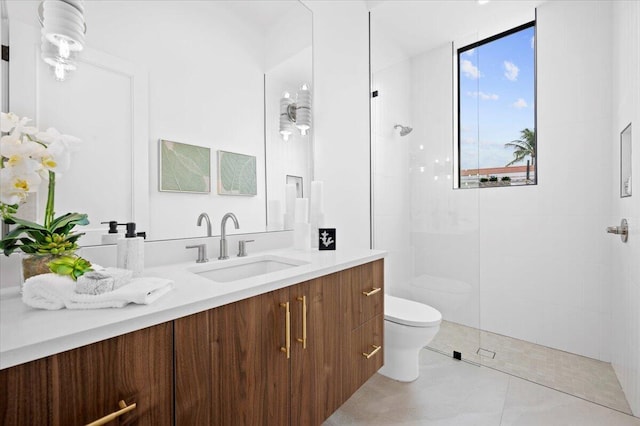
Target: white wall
625	278
341	103
545	264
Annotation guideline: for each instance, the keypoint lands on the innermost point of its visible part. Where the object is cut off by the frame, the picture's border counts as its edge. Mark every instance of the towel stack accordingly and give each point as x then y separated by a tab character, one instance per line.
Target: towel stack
109	288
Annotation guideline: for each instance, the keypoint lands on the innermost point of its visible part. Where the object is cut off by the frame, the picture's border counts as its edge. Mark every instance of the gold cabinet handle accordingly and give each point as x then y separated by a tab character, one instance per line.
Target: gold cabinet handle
124	408
372	292
303	299
373	352
287	331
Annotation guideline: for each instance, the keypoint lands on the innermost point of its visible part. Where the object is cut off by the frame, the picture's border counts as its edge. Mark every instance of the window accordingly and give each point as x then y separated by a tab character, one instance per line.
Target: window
496	110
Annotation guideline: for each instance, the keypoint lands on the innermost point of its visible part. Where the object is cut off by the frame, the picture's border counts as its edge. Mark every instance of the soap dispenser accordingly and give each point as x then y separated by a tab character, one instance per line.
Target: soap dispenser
113	235
131	251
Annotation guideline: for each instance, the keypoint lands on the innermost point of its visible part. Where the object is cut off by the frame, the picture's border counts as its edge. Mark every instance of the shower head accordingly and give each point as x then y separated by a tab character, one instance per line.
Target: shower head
404	130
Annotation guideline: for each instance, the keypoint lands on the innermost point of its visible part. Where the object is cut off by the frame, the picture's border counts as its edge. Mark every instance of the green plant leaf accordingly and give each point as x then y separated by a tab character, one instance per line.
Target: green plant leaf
25	223
73	219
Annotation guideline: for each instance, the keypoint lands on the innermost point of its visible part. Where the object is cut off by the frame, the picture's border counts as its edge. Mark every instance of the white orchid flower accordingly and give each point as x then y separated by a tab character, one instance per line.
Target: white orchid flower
56	158
52	135
8	121
10	145
14	186
21	156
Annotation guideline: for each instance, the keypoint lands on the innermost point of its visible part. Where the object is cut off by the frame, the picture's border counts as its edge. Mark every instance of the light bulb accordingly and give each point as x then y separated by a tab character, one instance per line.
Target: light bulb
421	147
63	48
59	72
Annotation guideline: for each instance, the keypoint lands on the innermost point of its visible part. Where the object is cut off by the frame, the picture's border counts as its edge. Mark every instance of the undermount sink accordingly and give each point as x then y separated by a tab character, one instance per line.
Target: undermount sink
237	269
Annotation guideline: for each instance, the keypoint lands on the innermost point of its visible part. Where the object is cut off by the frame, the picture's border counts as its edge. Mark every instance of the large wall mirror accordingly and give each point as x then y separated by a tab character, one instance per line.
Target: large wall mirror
209	74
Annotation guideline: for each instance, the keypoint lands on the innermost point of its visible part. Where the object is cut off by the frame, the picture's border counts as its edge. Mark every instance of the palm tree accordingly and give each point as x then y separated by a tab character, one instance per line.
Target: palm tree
523	147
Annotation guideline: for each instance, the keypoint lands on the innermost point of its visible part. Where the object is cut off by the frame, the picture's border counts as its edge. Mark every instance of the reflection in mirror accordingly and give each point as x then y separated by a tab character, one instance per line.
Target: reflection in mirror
625	162
200	73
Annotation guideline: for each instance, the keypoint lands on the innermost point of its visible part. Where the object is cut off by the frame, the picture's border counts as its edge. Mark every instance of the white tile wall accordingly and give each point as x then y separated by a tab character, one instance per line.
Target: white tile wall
625	272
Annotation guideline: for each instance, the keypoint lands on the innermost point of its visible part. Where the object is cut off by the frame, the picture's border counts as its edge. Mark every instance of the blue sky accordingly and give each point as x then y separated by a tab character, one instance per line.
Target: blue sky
496	99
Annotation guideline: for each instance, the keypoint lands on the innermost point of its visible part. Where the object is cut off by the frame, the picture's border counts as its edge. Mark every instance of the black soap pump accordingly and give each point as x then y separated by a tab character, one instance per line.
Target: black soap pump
113	235
131	251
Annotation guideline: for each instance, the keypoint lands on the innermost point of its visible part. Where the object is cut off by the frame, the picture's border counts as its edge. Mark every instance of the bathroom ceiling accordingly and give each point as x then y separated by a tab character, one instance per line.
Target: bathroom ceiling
417	26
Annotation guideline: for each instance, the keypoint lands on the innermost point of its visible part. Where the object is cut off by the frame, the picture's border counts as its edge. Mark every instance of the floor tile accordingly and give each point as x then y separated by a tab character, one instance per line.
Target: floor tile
577	375
458	393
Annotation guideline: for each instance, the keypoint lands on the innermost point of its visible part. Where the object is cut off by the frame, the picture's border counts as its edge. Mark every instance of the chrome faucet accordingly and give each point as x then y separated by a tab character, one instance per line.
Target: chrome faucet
223	234
205	217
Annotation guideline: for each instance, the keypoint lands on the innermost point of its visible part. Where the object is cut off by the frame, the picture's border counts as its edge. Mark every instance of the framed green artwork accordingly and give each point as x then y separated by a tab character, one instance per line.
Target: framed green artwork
184	168
236	174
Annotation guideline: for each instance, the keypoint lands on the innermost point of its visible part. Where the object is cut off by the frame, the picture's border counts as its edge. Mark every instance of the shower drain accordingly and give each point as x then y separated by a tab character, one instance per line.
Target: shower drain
486	353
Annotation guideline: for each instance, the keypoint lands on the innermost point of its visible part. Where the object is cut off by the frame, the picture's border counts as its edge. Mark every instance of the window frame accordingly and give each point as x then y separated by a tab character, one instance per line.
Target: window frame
458	52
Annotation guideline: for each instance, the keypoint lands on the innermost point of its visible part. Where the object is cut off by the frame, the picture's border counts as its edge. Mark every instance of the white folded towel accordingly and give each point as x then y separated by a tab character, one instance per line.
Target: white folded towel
52	291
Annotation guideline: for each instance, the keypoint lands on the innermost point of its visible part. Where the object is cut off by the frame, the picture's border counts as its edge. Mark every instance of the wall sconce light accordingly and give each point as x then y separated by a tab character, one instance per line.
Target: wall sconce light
295	114
63	30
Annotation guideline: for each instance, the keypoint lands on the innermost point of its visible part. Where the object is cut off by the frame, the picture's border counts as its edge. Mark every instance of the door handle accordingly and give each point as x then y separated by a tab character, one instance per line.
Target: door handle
622	230
287	330
303	340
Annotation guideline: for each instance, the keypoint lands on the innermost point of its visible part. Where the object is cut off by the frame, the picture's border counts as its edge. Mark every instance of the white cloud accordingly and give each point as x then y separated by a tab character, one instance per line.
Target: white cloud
483	96
470	52
519	104
511	70
469	70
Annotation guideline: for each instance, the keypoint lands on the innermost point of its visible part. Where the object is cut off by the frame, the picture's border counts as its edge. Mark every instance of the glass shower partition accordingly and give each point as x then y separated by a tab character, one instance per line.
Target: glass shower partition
430	229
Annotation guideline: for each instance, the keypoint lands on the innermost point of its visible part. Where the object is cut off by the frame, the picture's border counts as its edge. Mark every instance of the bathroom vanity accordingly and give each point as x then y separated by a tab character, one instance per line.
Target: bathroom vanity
279	348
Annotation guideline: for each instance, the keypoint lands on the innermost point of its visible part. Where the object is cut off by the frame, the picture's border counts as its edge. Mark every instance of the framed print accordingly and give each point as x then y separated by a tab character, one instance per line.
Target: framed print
236	174
184	167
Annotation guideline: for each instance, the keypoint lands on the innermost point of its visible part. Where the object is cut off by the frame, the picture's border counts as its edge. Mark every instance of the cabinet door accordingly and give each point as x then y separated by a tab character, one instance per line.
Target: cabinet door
23	394
82	385
315	364
363	359
229	367
363	293
87	383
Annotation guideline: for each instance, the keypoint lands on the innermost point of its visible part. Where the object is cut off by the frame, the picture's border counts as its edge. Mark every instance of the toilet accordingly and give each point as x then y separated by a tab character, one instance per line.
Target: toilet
408	327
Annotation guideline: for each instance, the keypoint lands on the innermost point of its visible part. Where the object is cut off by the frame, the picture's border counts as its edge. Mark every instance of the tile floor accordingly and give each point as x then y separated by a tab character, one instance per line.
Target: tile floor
455	393
583	377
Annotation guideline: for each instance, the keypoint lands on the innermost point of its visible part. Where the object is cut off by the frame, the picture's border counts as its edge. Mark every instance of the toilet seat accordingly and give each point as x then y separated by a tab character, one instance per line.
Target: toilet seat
408	312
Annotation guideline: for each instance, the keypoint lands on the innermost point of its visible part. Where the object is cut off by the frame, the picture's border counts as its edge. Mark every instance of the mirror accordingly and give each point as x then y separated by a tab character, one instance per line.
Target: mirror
209	74
625	162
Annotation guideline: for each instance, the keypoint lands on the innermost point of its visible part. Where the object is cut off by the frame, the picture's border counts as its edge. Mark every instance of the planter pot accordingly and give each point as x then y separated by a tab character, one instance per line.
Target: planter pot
33	265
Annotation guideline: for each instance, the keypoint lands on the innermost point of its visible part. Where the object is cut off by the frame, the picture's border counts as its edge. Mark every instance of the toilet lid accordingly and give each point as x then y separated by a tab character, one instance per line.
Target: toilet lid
408	312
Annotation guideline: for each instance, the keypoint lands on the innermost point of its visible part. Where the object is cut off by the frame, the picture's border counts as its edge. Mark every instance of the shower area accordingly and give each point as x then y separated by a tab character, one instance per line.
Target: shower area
527	279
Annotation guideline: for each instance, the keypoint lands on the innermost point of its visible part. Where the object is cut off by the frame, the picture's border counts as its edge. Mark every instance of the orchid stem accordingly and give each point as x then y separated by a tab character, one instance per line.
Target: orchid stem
48	212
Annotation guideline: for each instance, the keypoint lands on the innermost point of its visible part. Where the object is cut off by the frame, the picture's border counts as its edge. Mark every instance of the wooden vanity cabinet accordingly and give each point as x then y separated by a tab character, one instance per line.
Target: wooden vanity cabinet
82	385
233	366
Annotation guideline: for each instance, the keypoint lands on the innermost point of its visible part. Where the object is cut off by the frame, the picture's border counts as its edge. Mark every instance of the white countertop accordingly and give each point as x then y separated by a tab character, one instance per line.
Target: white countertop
27	334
